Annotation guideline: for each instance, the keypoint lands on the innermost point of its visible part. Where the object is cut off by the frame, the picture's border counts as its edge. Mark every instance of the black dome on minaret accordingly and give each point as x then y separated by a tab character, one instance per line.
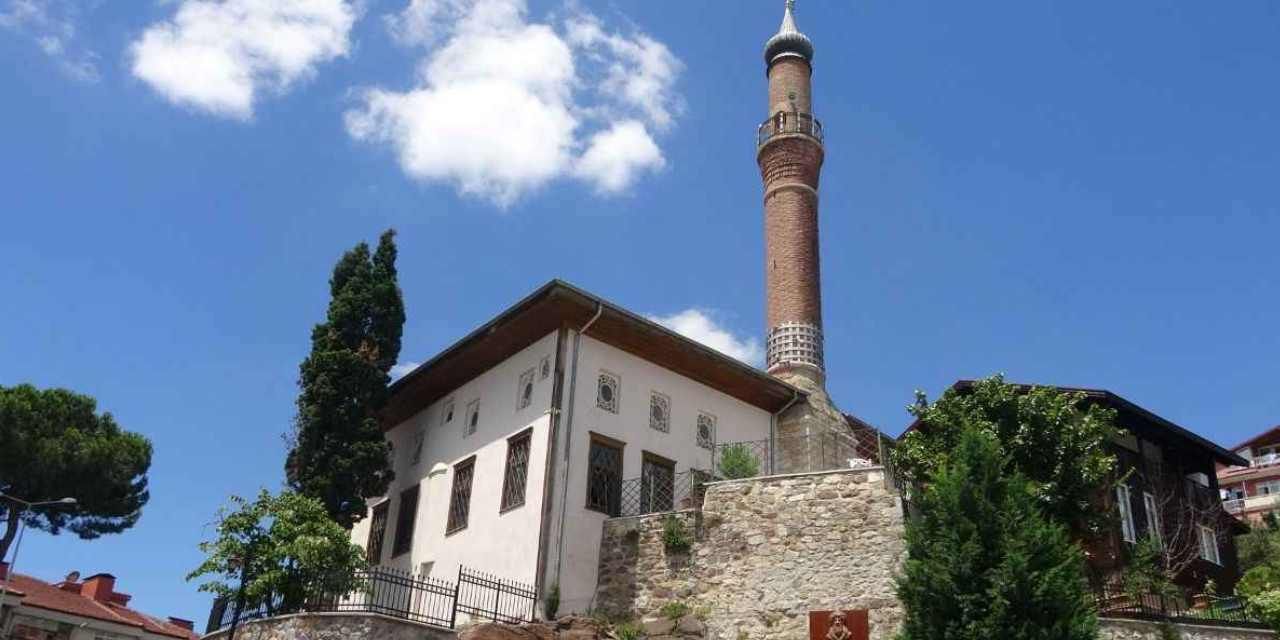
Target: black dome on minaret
788	40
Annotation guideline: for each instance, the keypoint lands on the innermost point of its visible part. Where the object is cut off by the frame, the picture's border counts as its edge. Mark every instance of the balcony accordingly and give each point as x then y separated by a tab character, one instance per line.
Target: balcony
1251	503
784	123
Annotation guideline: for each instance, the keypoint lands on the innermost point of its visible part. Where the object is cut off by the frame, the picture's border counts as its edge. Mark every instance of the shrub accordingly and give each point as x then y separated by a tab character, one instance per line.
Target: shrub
628	630
674	535
984	562
737	461
551	605
674	610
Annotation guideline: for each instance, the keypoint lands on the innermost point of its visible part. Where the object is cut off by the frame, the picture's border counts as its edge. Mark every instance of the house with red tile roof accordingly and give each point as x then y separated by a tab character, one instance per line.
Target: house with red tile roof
75	609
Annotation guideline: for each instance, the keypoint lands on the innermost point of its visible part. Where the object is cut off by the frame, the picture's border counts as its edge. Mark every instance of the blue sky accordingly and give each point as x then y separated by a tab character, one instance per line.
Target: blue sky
1079	193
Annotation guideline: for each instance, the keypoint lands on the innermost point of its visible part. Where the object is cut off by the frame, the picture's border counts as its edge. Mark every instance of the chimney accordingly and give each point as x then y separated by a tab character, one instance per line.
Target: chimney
185	624
99	587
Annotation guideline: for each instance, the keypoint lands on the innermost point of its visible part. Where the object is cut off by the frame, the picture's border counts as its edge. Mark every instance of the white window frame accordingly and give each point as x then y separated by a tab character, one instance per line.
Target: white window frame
663	401
614	382
1152	508
1267	488
526	382
471	425
1209	544
1127	529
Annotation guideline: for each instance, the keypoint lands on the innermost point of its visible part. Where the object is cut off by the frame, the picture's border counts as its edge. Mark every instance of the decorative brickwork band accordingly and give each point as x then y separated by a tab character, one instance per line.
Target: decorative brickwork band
794	343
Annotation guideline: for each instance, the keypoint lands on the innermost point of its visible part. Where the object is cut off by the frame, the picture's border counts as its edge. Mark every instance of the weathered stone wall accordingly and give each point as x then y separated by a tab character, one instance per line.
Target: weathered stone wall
765	552
1112	629
335	626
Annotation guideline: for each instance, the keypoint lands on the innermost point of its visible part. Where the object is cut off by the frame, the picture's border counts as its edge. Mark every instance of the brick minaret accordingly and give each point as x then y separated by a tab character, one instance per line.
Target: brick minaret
790	156
810	435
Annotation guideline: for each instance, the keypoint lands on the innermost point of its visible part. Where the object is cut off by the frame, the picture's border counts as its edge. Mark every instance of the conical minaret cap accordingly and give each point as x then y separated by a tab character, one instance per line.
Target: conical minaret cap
788	40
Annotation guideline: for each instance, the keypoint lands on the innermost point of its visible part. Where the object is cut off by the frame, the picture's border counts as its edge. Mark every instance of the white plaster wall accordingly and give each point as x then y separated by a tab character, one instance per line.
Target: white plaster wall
505	544
736	421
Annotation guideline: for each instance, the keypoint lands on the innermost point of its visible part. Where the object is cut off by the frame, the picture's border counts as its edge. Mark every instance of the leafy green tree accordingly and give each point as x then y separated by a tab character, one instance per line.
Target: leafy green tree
54	444
339	454
984	562
1260	546
737	461
284	546
1052	438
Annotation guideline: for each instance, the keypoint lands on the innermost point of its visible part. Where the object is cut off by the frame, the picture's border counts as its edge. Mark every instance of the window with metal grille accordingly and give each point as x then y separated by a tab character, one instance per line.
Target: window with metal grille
657	484
524	393
405	518
517	475
604	476
377	533
545	368
607	390
460	498
659	412
447	412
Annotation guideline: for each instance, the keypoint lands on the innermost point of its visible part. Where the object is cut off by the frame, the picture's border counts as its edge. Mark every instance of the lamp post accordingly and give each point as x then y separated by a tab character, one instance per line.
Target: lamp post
22	506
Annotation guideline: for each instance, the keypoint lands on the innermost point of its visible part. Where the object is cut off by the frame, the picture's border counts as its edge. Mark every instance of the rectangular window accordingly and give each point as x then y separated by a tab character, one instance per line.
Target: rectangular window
706	430
405	519
1153	518
657	484
419	438
377	533
1268	488
659	412
473	418
604	476
446	414
607	391
517	475
524	393
460	498
1126	514
1209	544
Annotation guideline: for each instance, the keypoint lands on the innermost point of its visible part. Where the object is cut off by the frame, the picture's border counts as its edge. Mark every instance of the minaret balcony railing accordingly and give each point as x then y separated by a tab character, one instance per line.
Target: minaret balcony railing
789	122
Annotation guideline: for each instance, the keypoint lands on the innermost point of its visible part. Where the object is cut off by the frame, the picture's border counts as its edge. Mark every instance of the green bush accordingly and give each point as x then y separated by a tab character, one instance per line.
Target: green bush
737	461
674	535
551	605
628	630
983	560
674	610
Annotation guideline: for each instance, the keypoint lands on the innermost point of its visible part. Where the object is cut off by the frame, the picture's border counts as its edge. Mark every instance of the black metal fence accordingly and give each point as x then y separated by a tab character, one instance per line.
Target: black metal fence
1114	601
658	491
400	594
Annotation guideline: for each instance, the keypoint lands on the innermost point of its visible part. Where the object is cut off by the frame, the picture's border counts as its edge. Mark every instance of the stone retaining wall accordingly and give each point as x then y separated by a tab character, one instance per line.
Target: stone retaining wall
335	626
1112	629
765	552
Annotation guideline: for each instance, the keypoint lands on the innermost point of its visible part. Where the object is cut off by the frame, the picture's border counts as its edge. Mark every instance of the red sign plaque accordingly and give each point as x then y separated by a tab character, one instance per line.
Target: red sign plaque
851	624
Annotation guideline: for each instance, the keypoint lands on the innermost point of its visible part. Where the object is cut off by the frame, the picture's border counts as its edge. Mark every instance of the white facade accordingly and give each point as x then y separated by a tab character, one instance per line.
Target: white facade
507	543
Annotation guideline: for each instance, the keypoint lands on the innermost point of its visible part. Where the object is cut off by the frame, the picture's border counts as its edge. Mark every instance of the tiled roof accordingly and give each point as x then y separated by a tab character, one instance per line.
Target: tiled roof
43	595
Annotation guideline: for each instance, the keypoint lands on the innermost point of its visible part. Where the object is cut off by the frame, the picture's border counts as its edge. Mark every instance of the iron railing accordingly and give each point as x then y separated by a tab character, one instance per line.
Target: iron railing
785	122
1114	601
821	451
656	493
400	594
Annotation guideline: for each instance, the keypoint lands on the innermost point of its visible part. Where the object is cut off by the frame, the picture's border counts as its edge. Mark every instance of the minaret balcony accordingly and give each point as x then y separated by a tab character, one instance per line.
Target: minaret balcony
789	123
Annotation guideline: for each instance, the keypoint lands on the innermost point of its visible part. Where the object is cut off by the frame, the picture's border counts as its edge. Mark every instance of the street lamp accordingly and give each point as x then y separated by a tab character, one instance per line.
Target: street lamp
22	506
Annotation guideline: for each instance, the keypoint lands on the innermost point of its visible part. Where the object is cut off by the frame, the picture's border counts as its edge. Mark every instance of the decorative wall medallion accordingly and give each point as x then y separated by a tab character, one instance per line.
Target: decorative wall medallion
850	624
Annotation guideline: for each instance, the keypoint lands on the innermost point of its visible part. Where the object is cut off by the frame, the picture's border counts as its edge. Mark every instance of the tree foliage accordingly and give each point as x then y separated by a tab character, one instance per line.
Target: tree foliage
339	454
985	562
54	444
737	461
1052	438
284	546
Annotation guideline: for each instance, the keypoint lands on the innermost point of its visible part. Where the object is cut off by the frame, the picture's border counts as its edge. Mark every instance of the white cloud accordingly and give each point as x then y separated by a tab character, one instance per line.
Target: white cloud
700	325
504	105
218	55
402	369
615	157
52	25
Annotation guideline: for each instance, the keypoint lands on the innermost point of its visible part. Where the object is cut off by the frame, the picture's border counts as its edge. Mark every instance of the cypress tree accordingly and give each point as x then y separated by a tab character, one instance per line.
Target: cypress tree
984	561
339	454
